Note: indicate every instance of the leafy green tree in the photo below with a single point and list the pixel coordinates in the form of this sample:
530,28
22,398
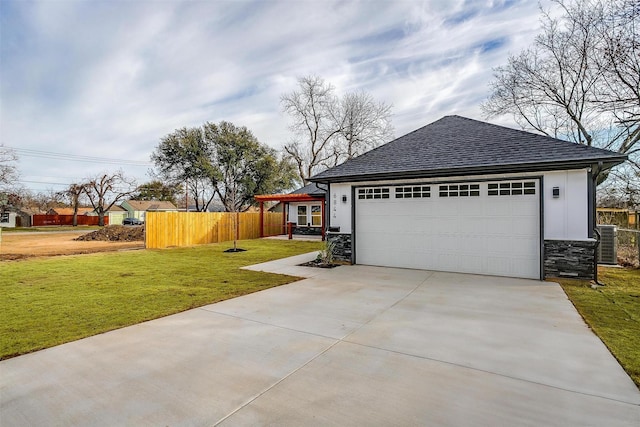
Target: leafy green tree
159,191
185,157
222,161
243,166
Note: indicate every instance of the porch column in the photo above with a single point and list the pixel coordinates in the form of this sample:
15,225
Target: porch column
285,208
322,218
261,218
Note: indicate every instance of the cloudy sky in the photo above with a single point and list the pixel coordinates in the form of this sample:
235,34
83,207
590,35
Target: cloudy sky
98,83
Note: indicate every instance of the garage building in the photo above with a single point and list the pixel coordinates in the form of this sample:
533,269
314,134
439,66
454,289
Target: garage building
467,196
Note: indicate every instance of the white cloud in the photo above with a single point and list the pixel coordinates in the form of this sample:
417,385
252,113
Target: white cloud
109,79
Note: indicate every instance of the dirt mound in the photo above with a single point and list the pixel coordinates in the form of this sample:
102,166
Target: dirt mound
115,233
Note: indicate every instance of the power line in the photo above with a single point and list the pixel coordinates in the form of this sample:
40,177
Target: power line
76,158
43,182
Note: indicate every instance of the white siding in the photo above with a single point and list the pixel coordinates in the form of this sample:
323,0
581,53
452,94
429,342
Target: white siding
564,218
10,220
340,212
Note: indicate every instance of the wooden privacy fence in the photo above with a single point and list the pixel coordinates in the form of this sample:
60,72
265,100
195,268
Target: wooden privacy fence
624,218
40,220
165,229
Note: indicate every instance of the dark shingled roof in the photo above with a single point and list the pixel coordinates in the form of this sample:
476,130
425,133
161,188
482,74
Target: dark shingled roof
311,189
457,145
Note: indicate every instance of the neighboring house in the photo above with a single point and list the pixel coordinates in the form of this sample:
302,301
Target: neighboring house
304,208
82,210
17,217
116,214
25,215
137,208
8,219
462,195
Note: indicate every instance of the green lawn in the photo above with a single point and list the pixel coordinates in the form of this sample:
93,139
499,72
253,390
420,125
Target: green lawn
613,312
50,301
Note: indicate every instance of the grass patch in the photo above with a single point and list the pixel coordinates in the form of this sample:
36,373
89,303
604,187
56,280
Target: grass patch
613,312
50,301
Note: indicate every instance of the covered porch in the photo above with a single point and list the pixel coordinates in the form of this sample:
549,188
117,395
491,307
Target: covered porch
309,215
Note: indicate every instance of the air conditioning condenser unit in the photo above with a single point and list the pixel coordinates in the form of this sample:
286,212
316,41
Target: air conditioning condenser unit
608,248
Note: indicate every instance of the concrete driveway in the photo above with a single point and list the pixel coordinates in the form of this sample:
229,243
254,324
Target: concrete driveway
353,345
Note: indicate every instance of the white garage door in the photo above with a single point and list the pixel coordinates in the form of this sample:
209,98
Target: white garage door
478,227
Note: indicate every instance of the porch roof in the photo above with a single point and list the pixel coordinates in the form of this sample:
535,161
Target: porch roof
288,198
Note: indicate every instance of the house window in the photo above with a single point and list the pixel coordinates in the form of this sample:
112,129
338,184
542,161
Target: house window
309,215
459,190
302,215
373,193
4,217
414,192
511,188
316,216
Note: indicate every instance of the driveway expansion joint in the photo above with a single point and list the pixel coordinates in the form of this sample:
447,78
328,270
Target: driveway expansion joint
459,365
260,322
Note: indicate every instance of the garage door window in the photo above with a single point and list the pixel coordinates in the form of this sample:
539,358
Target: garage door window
414,192
373,193
512,188
459,190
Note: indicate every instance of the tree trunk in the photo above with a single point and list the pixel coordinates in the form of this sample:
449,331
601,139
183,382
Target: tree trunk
76,196
235,232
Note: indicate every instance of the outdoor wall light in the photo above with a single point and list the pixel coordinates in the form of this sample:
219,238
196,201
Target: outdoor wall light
344,199
556,192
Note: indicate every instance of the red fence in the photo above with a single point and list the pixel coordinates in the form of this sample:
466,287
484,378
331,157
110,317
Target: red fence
40,220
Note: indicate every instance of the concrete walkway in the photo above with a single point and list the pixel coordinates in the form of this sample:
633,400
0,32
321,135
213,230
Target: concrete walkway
348,346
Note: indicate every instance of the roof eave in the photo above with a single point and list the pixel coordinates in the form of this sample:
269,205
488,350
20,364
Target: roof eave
603,163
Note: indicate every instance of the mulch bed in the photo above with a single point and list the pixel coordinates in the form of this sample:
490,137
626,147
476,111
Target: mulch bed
319,264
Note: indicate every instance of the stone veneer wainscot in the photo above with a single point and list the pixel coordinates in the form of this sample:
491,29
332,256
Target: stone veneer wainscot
569,258
342,249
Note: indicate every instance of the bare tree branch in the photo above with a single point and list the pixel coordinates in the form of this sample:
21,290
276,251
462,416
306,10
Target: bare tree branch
8,169
580,79
105,190
330,130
